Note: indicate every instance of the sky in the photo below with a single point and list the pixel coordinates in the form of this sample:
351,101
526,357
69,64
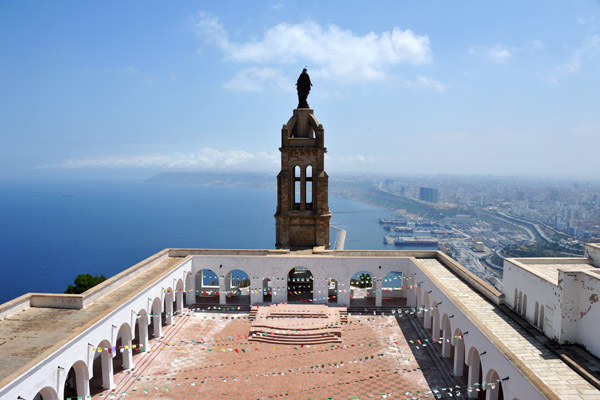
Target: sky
401,87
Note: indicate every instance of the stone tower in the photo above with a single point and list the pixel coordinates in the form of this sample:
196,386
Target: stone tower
302,217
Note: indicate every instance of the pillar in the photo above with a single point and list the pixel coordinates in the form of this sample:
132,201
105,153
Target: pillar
377,284
169,309
107,370
256,291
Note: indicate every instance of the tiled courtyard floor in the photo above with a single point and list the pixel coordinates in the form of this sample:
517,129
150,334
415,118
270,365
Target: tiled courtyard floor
209,357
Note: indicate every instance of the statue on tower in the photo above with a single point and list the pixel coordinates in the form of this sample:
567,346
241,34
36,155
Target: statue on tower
303,86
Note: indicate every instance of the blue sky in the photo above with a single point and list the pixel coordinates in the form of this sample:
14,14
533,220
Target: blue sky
112,88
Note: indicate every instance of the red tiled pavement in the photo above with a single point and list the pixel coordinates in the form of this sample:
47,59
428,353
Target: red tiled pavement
183,369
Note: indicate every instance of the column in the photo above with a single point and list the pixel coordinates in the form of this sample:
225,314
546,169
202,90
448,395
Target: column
256,291
107,370
377,284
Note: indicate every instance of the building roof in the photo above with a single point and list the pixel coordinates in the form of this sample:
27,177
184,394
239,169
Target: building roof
547,268
537,363
33,334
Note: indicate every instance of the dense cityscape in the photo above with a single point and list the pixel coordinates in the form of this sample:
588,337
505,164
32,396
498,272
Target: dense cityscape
480,220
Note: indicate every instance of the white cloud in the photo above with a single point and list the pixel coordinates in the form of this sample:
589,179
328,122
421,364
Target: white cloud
589,46
254,78
204,159
330,51
425,82
500,53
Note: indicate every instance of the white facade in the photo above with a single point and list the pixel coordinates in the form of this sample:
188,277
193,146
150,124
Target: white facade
478,350
558,295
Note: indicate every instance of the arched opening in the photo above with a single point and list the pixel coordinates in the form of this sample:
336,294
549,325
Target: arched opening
536,312
207,287
475,374
46,393
542,318
300,285
446,338
520,303
122,357
267,290
493,386
77,381
297,187
155,327
140,341
516,301
102,368
460,368
391,290
309,187
332,291
237,287
524,311
361,289
179,297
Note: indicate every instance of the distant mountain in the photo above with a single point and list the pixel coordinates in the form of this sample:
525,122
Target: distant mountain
252,180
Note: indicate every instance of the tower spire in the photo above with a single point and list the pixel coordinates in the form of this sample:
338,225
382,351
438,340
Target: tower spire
302,216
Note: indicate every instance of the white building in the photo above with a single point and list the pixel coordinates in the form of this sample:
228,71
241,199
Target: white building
558,295
53,340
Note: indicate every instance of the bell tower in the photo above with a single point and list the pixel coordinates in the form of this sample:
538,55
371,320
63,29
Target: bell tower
302,217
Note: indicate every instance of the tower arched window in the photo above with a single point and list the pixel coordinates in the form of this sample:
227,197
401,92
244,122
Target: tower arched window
309,187
297,187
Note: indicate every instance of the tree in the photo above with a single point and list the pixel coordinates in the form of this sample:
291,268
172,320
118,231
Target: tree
84,282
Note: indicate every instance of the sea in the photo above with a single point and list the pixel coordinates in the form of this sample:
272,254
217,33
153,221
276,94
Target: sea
51,231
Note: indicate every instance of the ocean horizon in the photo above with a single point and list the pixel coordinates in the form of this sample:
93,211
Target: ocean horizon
51,231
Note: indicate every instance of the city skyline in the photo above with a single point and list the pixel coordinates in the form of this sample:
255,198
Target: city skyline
494,89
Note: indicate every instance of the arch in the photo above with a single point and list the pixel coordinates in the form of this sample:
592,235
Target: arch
122,358
426,311
391,289
493,386
475,374
361,289
524,310
308,179
542,318
267,289
536,312
446,337
332,291
300,285
140,332
77,381
459,355
520,303
297,182
207,287
179,297
102,368
237,287
47,393
155,326
516,301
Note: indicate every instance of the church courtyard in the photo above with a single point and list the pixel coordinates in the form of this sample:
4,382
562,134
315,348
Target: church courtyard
207,354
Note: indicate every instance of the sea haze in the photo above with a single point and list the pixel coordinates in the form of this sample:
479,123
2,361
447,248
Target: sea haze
52,231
